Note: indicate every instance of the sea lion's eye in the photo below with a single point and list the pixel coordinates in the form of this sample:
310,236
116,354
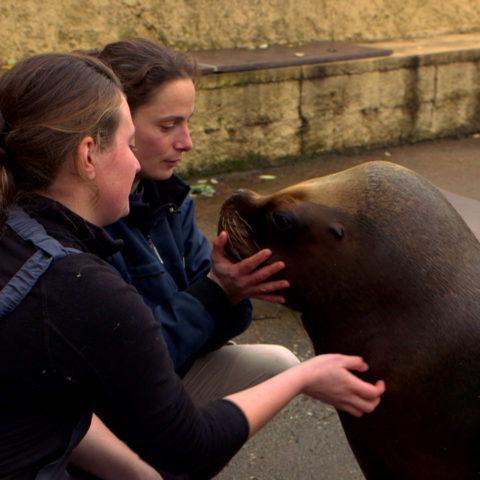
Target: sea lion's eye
337,230
282,220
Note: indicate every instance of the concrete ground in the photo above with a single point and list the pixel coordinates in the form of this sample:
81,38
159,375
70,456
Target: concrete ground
305,441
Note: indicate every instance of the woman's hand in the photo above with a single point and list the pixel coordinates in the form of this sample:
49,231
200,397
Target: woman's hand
243,279
329,379
324,377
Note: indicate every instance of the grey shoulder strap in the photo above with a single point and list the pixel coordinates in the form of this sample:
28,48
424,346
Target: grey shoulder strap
48,249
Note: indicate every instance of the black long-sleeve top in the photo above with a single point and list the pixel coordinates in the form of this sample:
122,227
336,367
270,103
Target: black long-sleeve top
84,339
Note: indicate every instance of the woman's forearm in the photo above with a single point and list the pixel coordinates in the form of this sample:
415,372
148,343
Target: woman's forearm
262,402
104,455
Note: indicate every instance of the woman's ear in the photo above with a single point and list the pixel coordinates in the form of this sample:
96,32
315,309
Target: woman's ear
86,158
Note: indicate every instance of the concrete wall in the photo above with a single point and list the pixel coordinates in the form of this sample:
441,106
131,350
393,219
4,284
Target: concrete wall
423,91
31,26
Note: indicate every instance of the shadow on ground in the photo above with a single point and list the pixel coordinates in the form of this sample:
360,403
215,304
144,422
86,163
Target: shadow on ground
305,441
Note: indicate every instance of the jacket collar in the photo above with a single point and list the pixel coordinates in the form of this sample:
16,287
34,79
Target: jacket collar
154,198
69,228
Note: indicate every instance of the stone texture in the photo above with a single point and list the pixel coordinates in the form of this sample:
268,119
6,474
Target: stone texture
429,87
271,116
235,125
31,26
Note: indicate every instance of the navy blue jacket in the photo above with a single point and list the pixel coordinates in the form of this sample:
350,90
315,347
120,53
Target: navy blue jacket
167,258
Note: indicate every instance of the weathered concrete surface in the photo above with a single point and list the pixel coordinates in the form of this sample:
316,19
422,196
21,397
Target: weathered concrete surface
31,26
239,124
305,441
427,89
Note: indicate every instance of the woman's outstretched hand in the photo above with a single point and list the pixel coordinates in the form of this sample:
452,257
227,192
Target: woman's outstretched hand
329,379
245,279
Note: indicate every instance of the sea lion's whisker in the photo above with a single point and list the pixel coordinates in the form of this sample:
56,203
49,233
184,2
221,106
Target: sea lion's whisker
239,233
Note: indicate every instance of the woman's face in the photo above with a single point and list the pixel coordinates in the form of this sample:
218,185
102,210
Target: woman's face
116,169
161,125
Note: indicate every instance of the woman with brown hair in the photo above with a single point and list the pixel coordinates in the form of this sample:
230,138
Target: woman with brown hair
199,297
77,339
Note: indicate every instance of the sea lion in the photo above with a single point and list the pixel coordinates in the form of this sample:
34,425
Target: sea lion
381,265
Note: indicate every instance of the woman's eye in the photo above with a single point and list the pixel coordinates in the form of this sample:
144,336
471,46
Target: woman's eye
133,148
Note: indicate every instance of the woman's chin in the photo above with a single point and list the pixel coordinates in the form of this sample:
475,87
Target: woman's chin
165,174
166,170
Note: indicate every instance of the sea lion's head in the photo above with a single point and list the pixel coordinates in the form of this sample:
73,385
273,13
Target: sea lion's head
351,238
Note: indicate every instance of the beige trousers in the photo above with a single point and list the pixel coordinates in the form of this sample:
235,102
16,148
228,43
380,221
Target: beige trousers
233,368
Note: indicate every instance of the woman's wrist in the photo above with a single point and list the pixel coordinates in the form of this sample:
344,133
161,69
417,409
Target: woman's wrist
263,401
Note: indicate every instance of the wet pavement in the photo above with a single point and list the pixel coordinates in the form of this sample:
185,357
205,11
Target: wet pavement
305,441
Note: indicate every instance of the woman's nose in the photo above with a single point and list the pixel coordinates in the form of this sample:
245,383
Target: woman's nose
184,141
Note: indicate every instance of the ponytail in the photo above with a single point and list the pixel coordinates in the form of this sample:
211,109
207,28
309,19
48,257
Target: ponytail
7,183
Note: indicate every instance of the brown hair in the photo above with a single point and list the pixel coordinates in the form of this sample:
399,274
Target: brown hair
48,104
143,65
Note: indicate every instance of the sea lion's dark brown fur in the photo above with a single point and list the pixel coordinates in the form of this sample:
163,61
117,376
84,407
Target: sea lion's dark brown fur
382,266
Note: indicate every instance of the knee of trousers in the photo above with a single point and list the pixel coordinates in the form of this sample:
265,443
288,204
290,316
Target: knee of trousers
277,358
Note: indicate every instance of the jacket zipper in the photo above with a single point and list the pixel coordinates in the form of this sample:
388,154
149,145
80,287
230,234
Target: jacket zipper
154,248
